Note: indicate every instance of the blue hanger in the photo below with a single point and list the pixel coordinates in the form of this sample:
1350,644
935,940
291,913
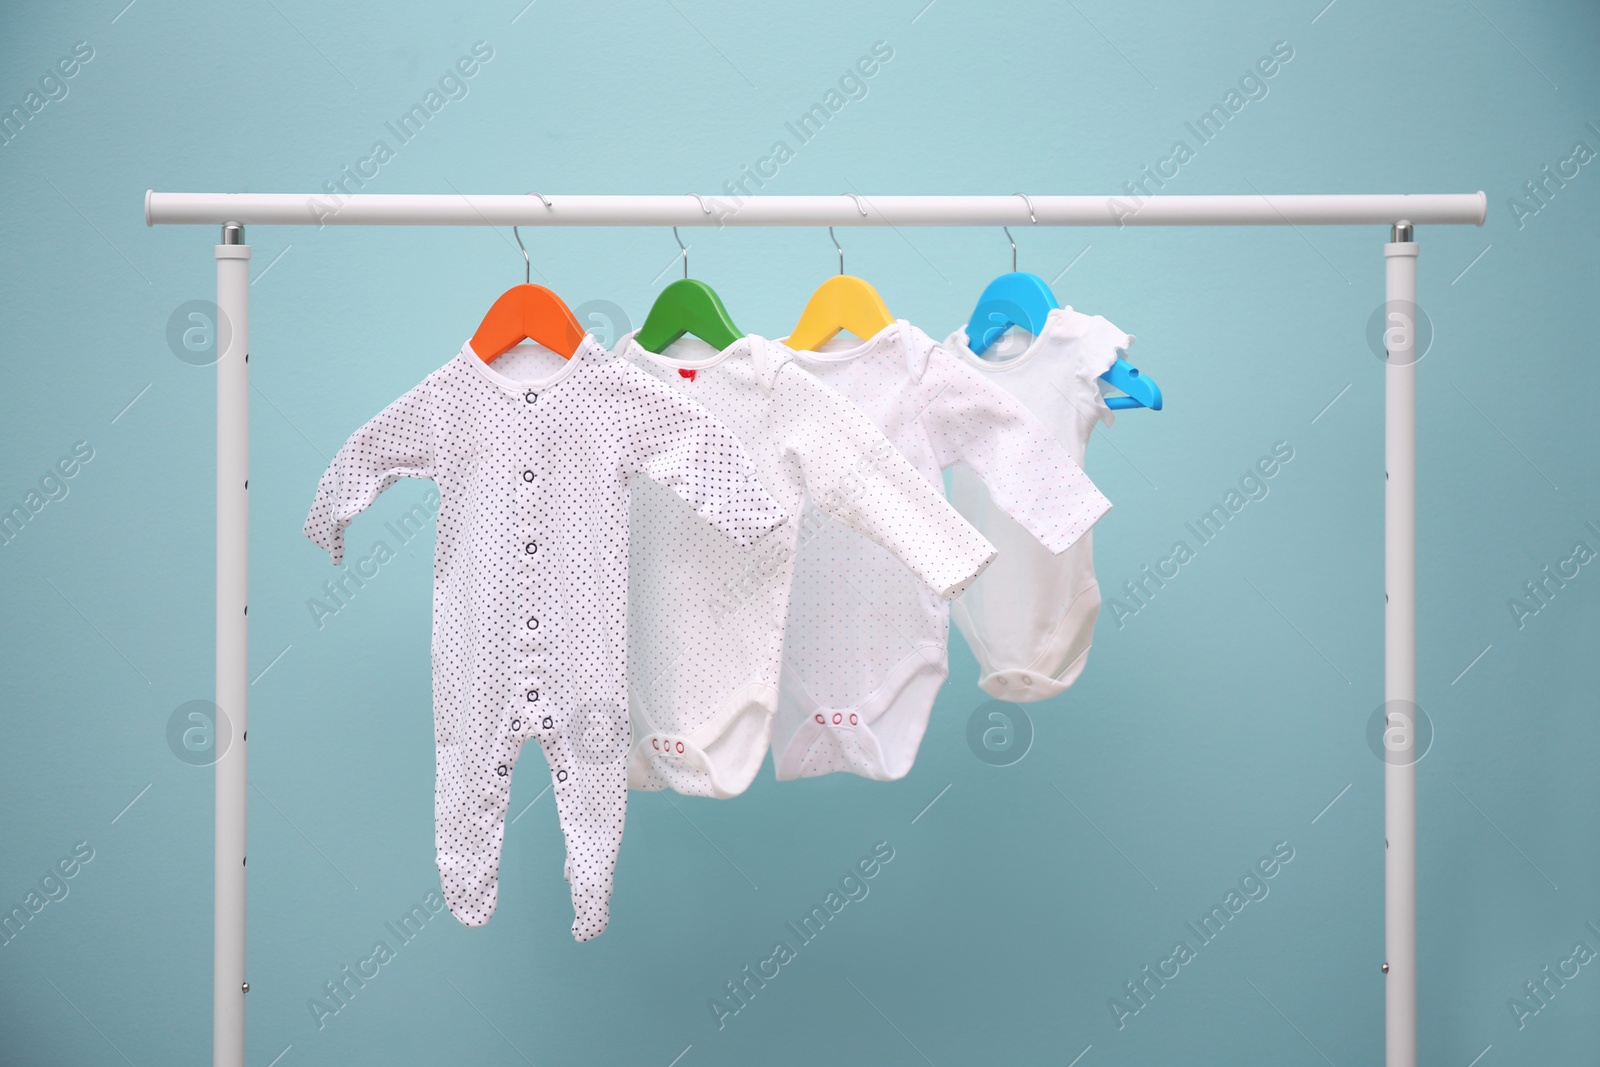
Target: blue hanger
1142,392
1025,300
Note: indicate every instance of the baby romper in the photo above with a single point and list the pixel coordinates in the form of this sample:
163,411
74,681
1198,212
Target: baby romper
706,616
866,647
534,457
1030,618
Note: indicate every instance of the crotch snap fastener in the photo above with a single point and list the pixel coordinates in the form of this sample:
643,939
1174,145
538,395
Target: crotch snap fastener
561,776
549,724
837,718
501,770
533,696
853,719
516,724
533,624
679,747
527,476
821,720
532,547
655,744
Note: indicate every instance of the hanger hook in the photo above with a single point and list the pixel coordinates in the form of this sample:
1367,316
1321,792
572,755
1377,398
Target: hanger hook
835,239
1013,241
527,264
1026,200
702,202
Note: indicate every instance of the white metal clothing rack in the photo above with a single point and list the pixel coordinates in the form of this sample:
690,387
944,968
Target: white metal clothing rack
233,211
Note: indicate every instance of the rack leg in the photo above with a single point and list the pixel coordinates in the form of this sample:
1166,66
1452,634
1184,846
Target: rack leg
1400,647
233,549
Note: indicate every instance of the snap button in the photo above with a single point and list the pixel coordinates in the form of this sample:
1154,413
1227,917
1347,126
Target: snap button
680,746
533,624
561,776
532,547
655,744
821,720
533,695
837,718
1025,682
1001,681
527,476
548,724
501,770
853,719
516,724
530,396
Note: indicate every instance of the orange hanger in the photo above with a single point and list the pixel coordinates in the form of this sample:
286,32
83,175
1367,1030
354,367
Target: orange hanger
527,312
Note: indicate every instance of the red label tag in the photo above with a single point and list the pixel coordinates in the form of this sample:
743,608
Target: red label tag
689,374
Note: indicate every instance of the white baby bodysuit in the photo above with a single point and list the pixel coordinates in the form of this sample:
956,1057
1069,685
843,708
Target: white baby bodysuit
866,647
1030,617
706,616
534,458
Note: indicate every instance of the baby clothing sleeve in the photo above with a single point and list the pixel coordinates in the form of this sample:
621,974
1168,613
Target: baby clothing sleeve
676,443
397,443
855,475
1029,474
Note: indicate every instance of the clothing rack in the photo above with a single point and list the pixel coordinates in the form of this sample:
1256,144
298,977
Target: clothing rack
1401,212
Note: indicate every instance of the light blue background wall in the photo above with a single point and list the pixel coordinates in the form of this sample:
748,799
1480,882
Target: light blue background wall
1221,719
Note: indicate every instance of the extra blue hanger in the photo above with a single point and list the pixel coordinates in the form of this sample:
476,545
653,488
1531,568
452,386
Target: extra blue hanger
1025,300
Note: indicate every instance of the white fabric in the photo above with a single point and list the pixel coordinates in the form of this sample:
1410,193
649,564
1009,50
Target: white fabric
866,646
534,458
1030,618
706,616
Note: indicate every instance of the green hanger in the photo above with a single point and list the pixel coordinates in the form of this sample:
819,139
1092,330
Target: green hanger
687,306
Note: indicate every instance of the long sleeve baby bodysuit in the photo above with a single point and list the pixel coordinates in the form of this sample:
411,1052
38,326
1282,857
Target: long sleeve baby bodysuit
534,459
866,649
1030,618
706,616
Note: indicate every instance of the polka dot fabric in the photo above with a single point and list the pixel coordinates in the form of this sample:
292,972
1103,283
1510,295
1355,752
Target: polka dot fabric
706,618
866,650
534,458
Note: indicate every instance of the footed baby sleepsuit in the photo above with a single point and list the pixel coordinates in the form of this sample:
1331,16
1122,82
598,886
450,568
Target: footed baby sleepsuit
706,615
866,648
1030,617
534,459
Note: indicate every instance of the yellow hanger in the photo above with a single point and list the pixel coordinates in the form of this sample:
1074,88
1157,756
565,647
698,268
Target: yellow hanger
843,302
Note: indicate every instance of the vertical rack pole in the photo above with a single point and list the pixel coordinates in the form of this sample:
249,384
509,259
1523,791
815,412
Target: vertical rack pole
228,986
1400,647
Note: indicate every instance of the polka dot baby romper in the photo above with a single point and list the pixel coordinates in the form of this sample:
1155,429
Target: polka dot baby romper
706,619
533,458
866,649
